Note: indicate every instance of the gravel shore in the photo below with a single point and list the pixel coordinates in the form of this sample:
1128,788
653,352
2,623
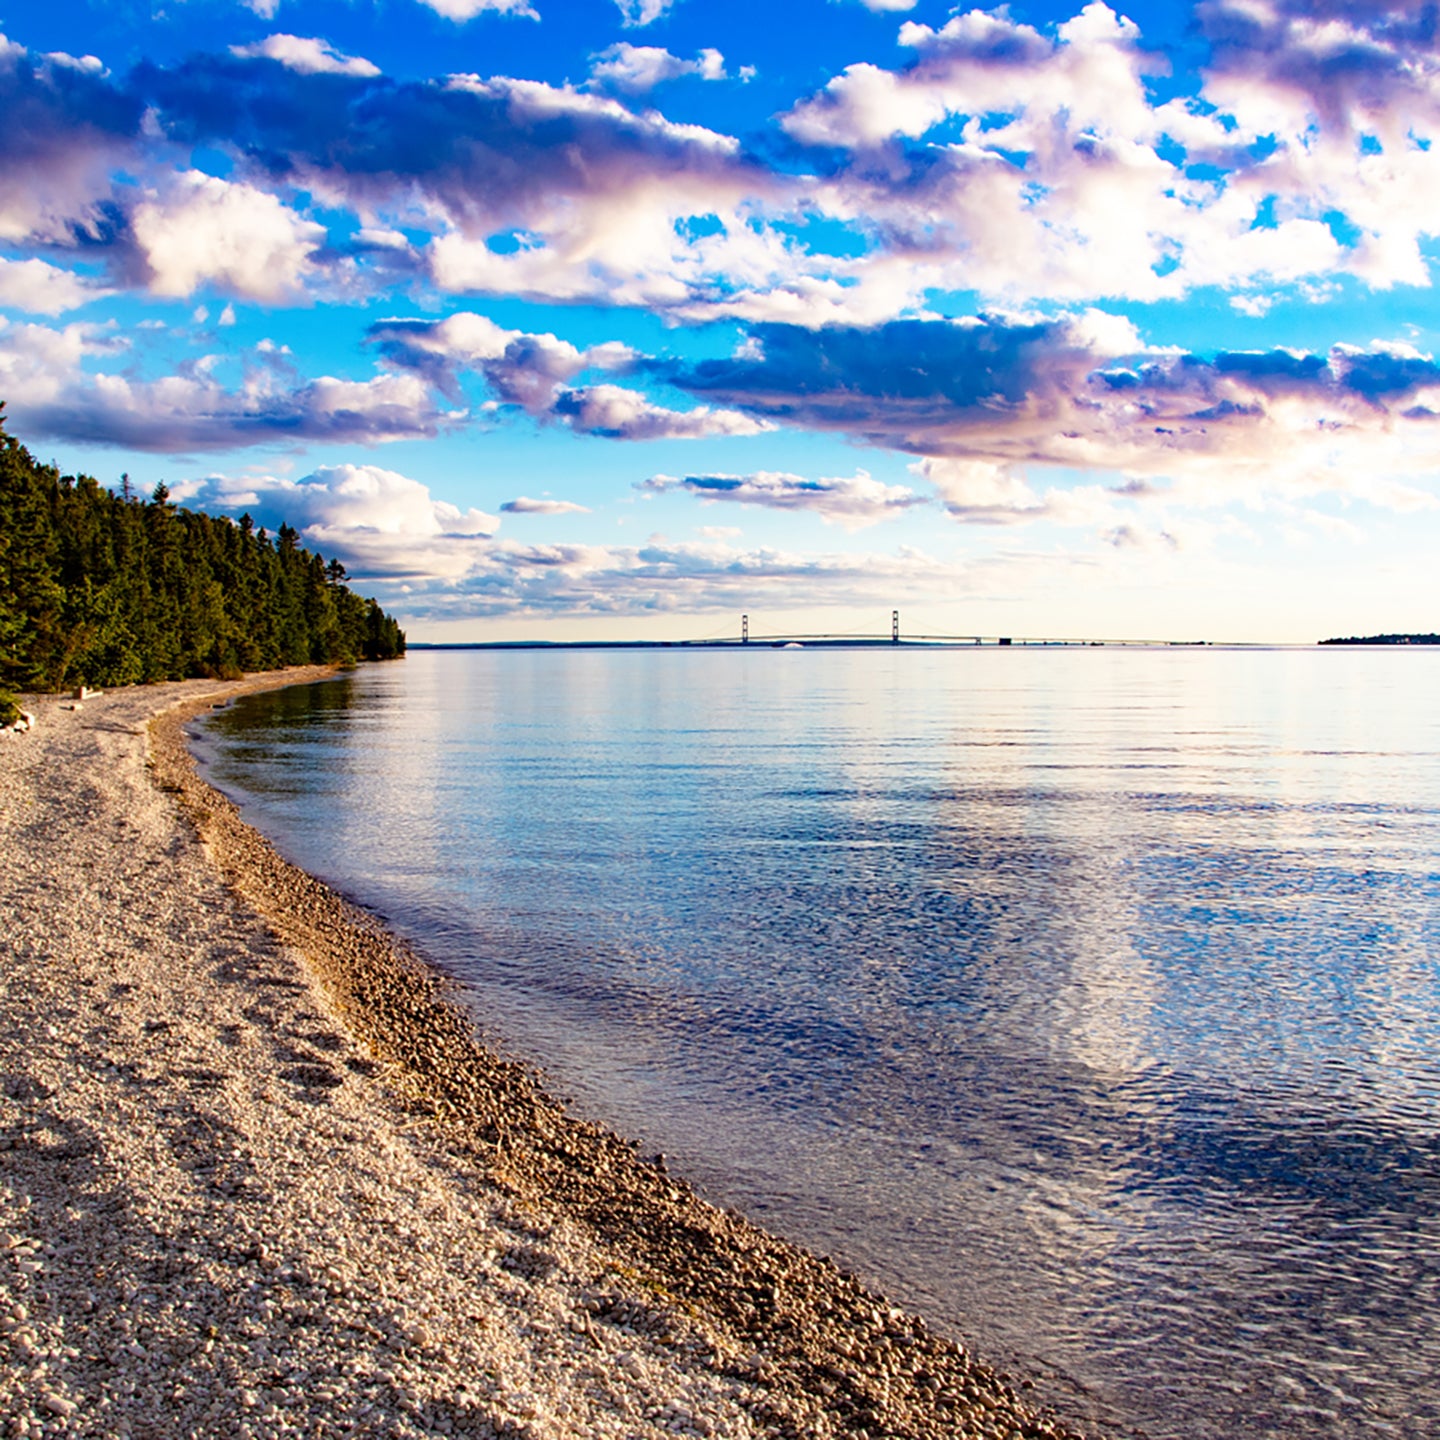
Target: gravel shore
258,1178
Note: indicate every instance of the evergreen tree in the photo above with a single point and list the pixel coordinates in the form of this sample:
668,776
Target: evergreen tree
107,589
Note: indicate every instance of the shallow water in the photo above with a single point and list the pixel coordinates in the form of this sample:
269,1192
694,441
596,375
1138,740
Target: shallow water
1087,1000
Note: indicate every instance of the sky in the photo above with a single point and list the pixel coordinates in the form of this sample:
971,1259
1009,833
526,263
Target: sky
574,319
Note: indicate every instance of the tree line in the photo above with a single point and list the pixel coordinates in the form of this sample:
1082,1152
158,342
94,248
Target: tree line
1411,639
106,588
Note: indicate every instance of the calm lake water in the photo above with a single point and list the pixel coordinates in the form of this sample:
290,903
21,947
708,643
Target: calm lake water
1086,1000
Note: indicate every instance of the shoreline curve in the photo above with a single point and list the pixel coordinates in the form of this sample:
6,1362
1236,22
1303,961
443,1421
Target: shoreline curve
593,1292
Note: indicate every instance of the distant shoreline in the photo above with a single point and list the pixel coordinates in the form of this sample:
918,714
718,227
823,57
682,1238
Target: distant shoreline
1385,640
850,642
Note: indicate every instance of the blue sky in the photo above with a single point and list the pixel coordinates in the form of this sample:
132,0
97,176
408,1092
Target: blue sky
573,318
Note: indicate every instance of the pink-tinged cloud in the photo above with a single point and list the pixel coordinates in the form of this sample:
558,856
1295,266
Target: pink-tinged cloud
620,414
524,505
853,503
65,128
984,400
462,10
50,392
520,368
1059,175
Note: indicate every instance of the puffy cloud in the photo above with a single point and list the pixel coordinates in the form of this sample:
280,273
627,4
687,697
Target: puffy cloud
1049,180
305,56
990,397
853,503
41,289
529,371
642,12
979,492
202,230
620,414
389,530
380,524
532,189
888,5
524,505
65,127
1020,162
914,384
482,155
1310,150
521,368
637,68
984,64
50,393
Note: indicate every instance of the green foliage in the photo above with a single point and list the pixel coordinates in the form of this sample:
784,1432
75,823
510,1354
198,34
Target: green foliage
9,708
109,589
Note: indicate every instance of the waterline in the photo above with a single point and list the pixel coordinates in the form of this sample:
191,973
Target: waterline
1086,1000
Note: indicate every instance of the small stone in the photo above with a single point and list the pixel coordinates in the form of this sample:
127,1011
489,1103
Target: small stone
58,1405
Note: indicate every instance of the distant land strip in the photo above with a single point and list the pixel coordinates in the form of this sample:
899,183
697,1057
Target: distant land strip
1385,640
819,642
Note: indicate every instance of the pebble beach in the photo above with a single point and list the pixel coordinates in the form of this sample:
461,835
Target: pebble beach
258,1177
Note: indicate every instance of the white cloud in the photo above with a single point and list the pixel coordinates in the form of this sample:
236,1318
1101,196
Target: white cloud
521,368
41,289
991,402
642,12
1057,176
669,577
379,523
463,10
1254,306
305,56
853,503
389,530
198,229
621,414
981,492
637,68
51,392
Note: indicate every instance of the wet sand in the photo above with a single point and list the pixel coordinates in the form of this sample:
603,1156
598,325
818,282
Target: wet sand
258,1176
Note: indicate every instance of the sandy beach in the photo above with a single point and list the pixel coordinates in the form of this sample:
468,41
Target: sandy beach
257,1176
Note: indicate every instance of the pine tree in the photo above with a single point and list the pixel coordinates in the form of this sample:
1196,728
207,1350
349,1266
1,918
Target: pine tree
103,588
